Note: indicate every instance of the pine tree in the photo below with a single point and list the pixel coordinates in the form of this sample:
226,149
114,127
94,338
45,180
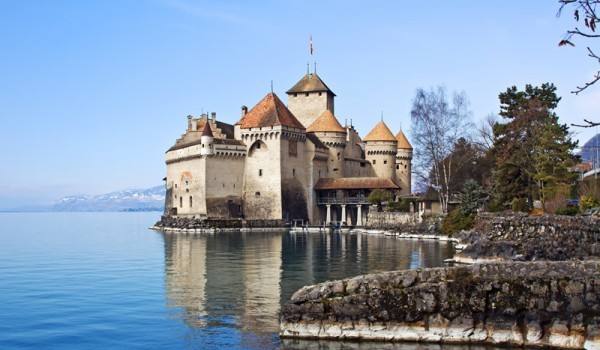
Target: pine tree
533,151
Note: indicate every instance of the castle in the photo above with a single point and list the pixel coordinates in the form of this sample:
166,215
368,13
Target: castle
278,162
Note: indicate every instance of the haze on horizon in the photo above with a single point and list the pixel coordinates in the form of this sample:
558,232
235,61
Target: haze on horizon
94,92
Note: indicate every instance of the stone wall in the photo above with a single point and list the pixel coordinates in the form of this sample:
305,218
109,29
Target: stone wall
189,223
521,237
389,220
521,304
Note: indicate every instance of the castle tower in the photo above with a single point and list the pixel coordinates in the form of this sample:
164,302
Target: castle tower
206,140
381,147
404,164
327,128
275,176
309,98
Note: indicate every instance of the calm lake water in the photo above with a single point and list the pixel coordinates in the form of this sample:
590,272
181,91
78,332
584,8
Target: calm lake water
104,281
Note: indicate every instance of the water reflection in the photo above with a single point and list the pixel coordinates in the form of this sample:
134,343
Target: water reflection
239,280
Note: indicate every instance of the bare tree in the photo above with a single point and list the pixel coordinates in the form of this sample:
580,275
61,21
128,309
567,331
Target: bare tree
485,131
437,124
588,13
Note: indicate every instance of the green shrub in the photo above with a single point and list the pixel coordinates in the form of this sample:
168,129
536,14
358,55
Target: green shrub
401,205
570,210
455,221
588,201
519,205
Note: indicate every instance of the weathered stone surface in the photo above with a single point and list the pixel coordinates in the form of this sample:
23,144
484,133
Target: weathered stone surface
512,303
525,238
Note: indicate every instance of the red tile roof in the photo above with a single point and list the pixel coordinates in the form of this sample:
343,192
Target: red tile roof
206,130
269,111
310,82
403,141
380,132
326,122
355,183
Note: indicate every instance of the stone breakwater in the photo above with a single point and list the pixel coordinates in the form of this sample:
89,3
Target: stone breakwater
521,237
542,304
198,225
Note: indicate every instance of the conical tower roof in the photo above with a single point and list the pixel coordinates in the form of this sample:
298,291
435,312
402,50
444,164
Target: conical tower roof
206,131
326,122
380,132
403,141
269,111
310,82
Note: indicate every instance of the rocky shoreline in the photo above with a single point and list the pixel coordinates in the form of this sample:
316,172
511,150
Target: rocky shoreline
542,304
535,283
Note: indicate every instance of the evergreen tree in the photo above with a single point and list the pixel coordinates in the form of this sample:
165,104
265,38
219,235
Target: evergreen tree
533,151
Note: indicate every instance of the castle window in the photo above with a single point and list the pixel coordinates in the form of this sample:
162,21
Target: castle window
257,194
306,94
374,161
293,148
190,201
362,165
404,166
175,185
259,172
335,169
295,95
338,155
319,94
258,145
233,185
181,202
223,185
397,167
294,172
385,162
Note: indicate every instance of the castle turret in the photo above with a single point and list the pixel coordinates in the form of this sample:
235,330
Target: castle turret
327,128
380,149
404,163
206,140
309,98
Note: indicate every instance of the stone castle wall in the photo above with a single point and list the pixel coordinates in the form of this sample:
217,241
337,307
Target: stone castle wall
519,304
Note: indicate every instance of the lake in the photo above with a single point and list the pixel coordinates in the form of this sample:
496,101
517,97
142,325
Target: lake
105,281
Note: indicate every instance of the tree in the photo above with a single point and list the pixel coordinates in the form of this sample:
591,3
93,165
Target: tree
533,151
437,124
378,196
584,11
472,197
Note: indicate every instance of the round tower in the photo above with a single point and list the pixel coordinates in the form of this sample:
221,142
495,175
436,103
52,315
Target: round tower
404,164
327,128
206,140
380,151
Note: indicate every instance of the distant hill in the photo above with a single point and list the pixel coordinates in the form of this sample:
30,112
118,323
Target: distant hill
150,199
590,151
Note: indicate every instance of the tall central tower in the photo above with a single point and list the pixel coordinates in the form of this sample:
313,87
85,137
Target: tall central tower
309,98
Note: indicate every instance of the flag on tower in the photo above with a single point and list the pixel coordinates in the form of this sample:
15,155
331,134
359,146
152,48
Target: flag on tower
310,45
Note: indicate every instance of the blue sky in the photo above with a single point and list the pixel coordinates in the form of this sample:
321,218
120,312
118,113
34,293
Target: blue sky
94,92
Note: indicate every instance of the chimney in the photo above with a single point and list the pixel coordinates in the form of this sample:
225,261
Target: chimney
213,116
189,122
244,110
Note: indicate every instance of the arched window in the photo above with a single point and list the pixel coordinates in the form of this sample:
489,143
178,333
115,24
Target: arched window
190,201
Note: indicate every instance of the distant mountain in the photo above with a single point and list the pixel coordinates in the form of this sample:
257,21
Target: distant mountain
590,151
150,199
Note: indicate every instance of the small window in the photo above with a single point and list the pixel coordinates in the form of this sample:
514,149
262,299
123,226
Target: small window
187,190
186,182
335,169
181,202
404,166
385,162
362,165
223,185
259,172
175,185
294,172
338,156
319,94
202,145
374,161
306,94
295,95
258,145
397,167
233,185
190,201
257,194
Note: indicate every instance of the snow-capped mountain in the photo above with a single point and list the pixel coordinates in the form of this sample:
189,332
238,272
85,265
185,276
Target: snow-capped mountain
127,200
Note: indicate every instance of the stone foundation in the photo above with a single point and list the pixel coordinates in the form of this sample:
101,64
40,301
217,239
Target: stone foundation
542,304
196,225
